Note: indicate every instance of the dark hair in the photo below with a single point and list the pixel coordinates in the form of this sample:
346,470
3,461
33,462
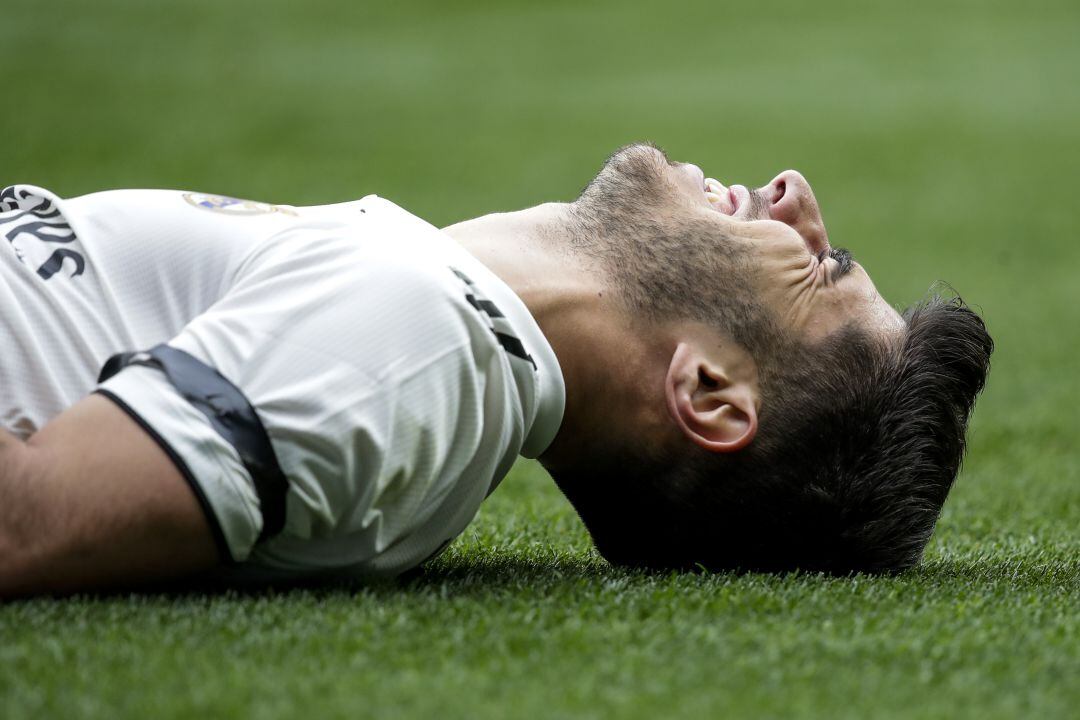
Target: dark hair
859,442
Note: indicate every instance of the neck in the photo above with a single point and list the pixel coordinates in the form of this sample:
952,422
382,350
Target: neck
526,250
578,312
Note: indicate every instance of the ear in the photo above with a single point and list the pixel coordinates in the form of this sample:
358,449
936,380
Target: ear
708,404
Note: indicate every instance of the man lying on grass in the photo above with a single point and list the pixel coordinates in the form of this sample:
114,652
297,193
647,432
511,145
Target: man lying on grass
195,384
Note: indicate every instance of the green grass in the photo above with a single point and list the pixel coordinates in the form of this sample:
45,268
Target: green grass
942,139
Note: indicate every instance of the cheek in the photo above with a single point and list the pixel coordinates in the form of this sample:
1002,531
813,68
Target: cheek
780,241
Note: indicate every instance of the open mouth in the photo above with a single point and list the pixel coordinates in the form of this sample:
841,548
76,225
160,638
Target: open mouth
722,199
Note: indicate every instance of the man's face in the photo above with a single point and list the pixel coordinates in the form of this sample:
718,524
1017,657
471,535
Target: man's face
811,287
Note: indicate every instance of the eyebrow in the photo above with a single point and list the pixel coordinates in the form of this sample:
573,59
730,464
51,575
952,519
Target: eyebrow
845,262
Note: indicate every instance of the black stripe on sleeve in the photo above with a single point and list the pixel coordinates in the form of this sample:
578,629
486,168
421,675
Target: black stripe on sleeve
229,413
462,276
485,306
514,347
220,542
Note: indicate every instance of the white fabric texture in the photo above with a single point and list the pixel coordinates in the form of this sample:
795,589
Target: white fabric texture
396,376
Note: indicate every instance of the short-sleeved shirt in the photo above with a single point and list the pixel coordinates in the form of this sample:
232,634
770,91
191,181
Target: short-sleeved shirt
396,377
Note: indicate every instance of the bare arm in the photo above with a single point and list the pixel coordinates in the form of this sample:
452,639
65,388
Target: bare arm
91,501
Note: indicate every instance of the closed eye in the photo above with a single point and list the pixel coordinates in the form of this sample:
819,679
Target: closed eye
844,261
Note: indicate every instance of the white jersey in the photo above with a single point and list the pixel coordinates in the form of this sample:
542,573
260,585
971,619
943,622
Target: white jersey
393,378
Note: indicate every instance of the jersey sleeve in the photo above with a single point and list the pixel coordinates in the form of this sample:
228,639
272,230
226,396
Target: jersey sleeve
211,465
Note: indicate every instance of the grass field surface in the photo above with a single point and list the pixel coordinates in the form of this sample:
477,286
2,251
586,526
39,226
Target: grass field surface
943,140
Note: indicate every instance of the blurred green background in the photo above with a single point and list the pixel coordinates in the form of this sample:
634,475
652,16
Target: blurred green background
943,141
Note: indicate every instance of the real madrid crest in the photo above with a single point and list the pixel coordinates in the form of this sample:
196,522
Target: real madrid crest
233,206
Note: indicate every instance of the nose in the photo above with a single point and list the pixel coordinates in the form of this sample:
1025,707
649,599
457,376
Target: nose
791,201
